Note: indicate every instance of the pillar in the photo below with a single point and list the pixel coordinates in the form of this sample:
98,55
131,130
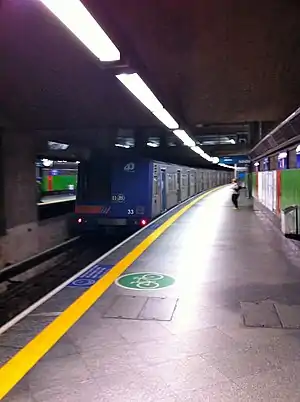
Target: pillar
18,217
107,138
2,193
140,139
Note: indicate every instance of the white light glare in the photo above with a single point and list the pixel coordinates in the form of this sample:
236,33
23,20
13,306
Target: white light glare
215,160
282,155
139,89
47,162
57,145
166,118
152,144
142,92
232,141
200,152
75,16
226,166
122,146
185,138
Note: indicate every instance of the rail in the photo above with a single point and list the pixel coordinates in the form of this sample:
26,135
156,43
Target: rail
21,267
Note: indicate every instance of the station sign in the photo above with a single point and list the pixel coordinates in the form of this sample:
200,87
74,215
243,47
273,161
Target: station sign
235,160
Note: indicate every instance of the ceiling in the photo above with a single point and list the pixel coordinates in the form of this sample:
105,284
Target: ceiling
212,61
216,66
50,81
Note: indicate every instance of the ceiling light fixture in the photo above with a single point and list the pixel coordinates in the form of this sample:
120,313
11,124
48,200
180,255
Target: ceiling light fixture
152,144
140,90
80,22
215,160
200,152
185,138
143,93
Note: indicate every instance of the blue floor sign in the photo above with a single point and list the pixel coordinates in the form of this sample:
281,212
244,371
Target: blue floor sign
91,276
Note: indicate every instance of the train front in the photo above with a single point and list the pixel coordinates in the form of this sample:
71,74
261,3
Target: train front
113,193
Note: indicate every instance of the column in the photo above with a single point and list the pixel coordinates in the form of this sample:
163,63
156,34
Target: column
18,215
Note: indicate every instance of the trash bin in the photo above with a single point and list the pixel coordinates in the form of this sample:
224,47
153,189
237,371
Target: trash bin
290,221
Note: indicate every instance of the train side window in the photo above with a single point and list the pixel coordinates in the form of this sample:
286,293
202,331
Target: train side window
92,186
155,186
172,182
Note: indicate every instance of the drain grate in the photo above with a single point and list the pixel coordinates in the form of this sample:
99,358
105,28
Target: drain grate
267,314
142,308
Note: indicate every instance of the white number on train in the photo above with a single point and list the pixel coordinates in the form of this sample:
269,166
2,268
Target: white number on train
130,212
129,167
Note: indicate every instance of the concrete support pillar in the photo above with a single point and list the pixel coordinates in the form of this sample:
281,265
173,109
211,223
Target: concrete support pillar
2,192
254,133
163,141
18,217
107,138
140,139
19,179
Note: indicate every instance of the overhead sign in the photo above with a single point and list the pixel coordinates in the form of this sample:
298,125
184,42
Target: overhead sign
235,160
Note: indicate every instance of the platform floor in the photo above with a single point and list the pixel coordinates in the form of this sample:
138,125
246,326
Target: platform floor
52,199
186,342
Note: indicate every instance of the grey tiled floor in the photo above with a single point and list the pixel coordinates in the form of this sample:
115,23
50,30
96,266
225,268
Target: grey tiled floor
219,257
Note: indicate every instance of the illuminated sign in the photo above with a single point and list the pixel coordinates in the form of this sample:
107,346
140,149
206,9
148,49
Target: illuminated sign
283,160
235,160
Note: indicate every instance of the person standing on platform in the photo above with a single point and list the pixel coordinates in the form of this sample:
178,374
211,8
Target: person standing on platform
235,188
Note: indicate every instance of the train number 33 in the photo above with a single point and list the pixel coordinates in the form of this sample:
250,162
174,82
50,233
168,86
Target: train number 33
130,211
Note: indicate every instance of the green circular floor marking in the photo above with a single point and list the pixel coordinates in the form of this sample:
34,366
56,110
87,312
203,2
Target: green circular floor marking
145,281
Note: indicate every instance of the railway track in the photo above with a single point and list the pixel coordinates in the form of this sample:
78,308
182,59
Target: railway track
22,290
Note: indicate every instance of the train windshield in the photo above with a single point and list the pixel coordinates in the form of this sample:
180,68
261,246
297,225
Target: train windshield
94,182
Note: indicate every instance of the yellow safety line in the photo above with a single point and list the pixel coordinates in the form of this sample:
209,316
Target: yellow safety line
20,364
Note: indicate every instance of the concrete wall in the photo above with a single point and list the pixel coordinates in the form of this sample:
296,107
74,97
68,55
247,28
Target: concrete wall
21,235
25,240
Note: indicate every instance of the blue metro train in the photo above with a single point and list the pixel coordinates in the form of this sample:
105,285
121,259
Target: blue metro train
130,192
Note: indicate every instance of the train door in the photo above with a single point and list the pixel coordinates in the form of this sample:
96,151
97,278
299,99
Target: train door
163,189
193,183
178,186
189,183
156,200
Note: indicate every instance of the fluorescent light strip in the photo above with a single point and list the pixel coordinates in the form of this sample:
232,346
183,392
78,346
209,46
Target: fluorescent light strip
185,138
226,166
166,118
152,144
200,152
75,16
142,92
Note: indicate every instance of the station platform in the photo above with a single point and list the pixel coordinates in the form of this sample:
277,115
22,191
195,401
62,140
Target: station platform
203,305
53,199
